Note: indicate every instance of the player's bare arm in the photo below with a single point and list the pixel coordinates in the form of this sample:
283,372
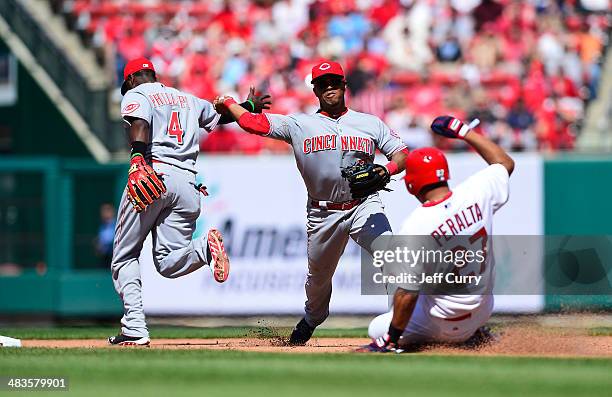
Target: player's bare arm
399,158
144,185
138,130
454,128
491,152
404,302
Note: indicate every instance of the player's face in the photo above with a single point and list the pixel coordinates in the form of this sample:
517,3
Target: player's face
329,90
130,82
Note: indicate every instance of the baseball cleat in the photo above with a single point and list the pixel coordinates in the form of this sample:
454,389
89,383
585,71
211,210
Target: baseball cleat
220,261
124,340
301,333
482,337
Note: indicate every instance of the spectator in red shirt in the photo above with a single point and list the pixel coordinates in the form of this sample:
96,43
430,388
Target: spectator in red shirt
131,45
486,12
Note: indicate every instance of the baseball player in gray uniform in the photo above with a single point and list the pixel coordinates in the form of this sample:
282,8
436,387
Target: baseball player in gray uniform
161,196
324,143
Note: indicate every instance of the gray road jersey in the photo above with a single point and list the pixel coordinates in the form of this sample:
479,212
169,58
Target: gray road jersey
323,146
175,119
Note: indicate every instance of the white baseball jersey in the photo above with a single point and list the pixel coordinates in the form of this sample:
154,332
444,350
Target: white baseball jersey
468,211
175,119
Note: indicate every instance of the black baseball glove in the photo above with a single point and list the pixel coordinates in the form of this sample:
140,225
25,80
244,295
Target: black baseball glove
365,179
260,101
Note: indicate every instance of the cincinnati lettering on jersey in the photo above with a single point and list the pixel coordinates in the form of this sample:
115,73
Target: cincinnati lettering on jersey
330,142
166,99
457,222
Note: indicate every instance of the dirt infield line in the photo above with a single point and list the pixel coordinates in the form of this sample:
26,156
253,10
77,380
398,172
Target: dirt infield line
514,342
321,345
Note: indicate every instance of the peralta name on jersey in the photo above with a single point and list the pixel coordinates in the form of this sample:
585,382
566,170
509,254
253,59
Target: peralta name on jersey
168,99
457,222
330,142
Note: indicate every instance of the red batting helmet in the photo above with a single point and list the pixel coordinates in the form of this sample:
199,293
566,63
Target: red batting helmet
425,166
133,66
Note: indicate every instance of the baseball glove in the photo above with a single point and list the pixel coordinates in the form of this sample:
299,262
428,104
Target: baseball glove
259,101
365,179
144,185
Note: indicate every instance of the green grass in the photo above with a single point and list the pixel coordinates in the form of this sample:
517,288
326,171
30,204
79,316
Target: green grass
147,372
171,332
127,372
601,331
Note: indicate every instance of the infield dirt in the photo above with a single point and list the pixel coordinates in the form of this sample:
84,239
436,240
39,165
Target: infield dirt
513,340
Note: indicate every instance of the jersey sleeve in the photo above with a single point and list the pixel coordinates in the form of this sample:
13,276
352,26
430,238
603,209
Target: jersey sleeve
209,118
388,141
494,181
282,127
135,104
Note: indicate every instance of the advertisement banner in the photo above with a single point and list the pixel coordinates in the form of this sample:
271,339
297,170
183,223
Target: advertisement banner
259,204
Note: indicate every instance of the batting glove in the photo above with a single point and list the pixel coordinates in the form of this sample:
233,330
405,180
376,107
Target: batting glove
449,127
381,345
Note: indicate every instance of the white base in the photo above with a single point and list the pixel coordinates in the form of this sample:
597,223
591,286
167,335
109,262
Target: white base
5,341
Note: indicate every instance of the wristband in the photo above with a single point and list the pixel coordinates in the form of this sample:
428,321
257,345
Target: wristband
248,105
252,104
138,148
394,334
392,167
228,101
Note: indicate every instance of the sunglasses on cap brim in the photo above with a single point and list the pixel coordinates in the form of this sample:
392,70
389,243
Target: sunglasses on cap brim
325,81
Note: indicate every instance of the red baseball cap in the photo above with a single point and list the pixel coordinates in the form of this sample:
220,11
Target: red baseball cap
425,166
326,67
133,66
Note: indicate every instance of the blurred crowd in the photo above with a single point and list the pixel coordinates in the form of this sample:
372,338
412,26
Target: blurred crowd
526,69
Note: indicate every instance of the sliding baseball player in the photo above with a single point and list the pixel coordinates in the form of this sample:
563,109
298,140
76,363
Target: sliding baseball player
464,213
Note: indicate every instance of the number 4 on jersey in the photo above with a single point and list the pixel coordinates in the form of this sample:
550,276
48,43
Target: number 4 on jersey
174,127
